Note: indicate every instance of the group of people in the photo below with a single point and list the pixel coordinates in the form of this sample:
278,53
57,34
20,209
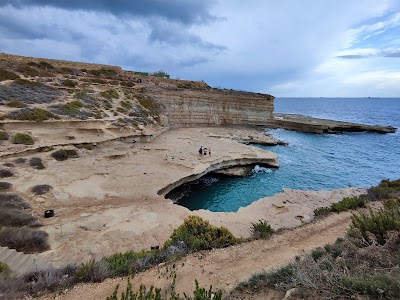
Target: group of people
204,151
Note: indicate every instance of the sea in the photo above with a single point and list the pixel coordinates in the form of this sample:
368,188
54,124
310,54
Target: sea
313,161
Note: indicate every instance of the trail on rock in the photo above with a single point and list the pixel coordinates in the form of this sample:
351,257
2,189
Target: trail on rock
225,268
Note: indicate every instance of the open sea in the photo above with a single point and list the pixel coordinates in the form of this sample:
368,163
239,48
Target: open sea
312,161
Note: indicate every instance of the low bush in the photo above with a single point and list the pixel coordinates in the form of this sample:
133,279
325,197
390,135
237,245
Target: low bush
4,269
318,253
109,73
3,136
70,83
7,75
322,211
41,189
16,104
24,239
64,154
147,103
20,160
23,138
349,203
28,71
377,223
33,114
155,293
92,271
4,186
17,218
110,94
6,173
36,162
261,230
126,104
198,234
70,108
9,164
13,201
385,190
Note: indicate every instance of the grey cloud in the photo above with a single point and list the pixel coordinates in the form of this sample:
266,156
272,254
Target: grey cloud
394,54
352,56
183,11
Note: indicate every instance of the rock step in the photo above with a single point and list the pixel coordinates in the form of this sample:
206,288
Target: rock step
21,263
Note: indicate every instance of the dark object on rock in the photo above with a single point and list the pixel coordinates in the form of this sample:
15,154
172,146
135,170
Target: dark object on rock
20,160
41,189
64,154
4,186
49,213
155,247
5,173
37,163
8,164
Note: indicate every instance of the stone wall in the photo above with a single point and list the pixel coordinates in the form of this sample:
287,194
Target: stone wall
57,63
188,107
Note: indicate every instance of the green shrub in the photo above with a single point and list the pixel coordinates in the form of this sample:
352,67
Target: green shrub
147,103
322,211
92,271
45,65
64,154
4,269
110,94
28,71
378,286
24,239
318,253
385,190
6,173
41,189
3,136
70,83
261,230
392,203
126,104
7,75
155,293
121,264
17,218
71,108
23,138
4,186
34,114
349,203
36,162
198,234
16,103
109,73
378,223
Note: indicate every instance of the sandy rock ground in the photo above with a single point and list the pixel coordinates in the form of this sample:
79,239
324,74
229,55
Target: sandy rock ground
107,200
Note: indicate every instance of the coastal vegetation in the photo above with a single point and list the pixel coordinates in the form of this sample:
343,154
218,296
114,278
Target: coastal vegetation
23,138
7,75
261,230
3,136
64,154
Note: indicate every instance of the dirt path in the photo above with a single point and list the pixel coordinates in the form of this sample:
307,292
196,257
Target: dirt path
225,268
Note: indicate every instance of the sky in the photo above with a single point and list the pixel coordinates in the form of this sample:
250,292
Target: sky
287,48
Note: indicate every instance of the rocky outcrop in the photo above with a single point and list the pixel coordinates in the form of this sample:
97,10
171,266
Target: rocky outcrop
315,125
211,107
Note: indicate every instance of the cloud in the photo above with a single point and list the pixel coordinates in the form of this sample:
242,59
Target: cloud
183,11
352,56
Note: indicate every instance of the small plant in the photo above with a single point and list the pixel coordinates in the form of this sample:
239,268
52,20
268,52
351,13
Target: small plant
24,239
4,186
349,203
36,162
3,136
92,271
385,190
12,201
16,104
110,94
4,269
322,211
377,223
318,253
41,189
33,114
198,234
64,154
7,75
17,218
6,173
28,71
261,230
70,108
70,83
23,138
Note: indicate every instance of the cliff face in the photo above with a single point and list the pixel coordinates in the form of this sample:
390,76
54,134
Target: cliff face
186,107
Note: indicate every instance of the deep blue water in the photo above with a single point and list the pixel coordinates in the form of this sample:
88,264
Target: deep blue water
315,162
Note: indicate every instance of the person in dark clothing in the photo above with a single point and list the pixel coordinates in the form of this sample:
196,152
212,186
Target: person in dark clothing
201,151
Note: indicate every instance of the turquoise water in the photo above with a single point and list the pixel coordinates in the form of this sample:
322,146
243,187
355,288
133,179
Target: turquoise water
313,162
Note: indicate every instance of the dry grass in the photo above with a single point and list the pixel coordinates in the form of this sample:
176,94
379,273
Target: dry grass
24,239
17,218
12,201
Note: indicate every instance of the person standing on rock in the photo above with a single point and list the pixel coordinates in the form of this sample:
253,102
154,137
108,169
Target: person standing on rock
201,151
